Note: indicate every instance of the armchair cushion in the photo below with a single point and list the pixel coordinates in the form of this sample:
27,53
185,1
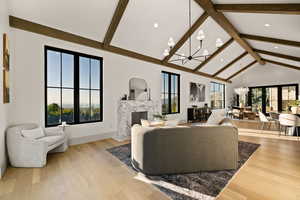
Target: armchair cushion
33,133
50,140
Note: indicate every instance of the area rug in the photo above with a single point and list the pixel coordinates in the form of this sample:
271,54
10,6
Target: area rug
201,185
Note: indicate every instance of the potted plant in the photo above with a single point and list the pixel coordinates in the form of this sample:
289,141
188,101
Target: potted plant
295,106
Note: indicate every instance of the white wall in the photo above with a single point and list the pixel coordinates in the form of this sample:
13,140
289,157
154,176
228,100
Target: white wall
3,107
28,82
260,75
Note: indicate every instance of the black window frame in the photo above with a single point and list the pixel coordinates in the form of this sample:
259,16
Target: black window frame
279,97
76,87
224,93
170,74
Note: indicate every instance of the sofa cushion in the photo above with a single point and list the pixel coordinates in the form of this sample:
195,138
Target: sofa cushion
35,133
216,117
50,140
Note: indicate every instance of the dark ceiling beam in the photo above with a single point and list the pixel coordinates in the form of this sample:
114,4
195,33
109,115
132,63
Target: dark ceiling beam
281,64
62,35
271,40
293,9
219,17
186,36
279,55
219,50
241,70
115,21
231,63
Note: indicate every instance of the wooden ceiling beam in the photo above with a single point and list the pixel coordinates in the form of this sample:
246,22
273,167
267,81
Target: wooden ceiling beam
231,63
271,40
281,64
241,70
219,17
279,55
186,36
115,21
293,9
219,50
25,25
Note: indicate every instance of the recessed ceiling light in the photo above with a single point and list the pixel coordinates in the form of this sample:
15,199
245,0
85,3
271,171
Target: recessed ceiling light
155,25
267,25
276,47
222,59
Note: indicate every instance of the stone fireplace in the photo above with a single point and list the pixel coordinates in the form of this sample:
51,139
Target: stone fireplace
131,112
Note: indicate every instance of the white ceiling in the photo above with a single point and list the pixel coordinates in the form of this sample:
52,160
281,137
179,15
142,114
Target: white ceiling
137,33
236,66
229,54
91,19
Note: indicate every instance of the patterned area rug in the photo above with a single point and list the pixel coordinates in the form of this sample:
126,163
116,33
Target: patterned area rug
202,185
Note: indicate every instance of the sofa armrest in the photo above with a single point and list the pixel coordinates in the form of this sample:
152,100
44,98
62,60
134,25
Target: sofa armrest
54,132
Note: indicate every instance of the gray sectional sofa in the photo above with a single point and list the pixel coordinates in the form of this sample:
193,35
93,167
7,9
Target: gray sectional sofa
184,149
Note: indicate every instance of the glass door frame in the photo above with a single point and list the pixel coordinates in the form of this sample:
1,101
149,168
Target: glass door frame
279,95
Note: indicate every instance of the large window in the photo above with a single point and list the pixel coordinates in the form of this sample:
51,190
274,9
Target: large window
73,87
273,98
170,93
217,95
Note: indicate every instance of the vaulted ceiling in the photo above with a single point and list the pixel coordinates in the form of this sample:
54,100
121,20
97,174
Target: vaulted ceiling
126,27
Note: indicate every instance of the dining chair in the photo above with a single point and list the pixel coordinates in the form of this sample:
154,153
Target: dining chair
289,120
275,118
263,118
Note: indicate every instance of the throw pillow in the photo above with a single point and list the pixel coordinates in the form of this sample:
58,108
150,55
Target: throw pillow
33,133
145,123
216,117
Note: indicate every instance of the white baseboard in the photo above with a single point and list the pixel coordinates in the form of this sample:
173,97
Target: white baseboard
90,138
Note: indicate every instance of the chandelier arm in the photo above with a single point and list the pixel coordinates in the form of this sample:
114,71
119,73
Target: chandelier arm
180,55
198,59
190,24
175,60
196,52
184,61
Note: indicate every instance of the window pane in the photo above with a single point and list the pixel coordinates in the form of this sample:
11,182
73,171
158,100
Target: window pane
84,72
166,78
84,105
95,74
53,68
53,106
67,70
95,105
174,103
271,99
165,104
67,106
288,97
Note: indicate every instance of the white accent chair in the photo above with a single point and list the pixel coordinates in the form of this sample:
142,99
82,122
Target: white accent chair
26,152
289,120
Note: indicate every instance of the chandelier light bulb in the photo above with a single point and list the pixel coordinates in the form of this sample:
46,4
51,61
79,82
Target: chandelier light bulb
200,35
171,42
182,56
205,52
166,52
219,42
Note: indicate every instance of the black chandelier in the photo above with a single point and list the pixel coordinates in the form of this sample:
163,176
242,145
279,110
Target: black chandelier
192,55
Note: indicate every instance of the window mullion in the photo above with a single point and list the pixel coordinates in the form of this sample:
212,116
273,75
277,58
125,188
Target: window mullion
76,89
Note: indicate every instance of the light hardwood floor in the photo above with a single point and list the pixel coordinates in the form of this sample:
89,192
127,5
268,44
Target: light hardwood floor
89,172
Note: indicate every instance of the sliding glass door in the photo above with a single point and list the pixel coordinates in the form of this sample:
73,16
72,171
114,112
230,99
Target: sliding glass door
275,98
288,97
272,99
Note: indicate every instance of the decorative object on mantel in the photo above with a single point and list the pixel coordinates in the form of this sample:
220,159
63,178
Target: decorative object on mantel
138,89
6,95
242,91
192,55
124,98
160,117
197,92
